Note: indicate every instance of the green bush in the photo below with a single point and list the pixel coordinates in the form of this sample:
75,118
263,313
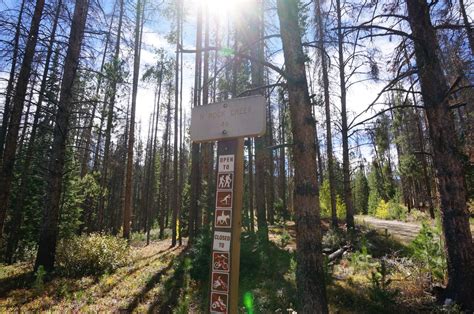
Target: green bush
427,248
93,254
390,210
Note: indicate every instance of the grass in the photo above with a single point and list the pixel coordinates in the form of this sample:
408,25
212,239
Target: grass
135,287
161,279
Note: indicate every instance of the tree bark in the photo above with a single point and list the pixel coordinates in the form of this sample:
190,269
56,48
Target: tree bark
327,105
309,271
8,161
344,128
110,113
127,211
11,79
174,201
257,52
49,229
447,159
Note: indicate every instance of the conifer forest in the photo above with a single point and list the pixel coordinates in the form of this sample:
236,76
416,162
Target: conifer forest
237,156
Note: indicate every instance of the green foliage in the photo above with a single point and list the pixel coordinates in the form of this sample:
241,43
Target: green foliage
374,195
361,192
38,284
427,248
285,238
325,202
200,254
379,291
362,260
93,254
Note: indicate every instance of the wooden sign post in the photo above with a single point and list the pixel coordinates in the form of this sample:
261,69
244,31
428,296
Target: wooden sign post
229,122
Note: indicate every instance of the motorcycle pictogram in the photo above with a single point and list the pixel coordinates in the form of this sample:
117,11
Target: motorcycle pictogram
219,305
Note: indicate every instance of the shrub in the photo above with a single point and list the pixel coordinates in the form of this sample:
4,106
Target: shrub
93,254
427,249
396,210
333,239
382,210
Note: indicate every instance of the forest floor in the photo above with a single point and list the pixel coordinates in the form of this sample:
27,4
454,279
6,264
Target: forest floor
146,284
375,274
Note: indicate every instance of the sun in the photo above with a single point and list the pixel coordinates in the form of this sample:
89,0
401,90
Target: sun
223,9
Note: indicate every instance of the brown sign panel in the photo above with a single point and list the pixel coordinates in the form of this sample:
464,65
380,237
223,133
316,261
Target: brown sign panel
224,199
219,302
223,218
220,261
220,282
225,181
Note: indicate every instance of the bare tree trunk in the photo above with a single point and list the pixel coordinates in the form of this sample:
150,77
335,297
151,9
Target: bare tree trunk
11,79
309,271
175,200
206,148
446,157
127,211
49,229
257,52
110,111
8,162
26,170
282,161
327,105
344,128
194,215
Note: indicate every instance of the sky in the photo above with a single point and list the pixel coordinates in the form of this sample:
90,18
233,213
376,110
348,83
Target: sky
157,27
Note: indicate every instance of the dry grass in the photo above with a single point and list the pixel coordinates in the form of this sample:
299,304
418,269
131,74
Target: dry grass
134,288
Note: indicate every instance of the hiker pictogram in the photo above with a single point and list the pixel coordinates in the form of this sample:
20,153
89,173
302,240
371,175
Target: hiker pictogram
223,218
226,181
220,261
220,282
224,199
218,303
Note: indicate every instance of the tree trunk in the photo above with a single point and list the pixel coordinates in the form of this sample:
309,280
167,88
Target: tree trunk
447,159
194,209
327,105
11,79
257,52
8,162
344,129
110,113
49,229
174,201
26,170
309,271
127,211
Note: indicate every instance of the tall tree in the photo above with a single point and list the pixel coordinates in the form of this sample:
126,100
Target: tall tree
174,201
49,229
309,271
17,218
11,79
344,128
127,211
446,156
327,107
9,153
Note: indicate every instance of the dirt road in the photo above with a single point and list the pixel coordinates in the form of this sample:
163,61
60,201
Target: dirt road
403,231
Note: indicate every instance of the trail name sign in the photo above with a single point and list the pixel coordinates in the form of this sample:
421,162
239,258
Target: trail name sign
238,117
227,122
